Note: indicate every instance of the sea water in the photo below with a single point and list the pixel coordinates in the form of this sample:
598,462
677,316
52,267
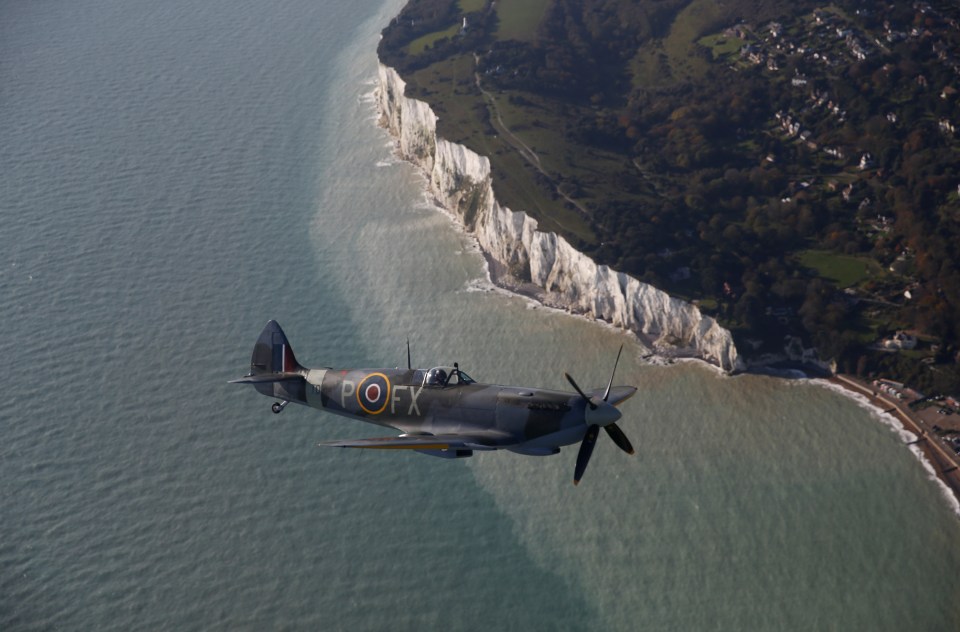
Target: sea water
173,175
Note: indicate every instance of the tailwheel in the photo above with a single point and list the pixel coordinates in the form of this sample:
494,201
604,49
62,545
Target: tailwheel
278,407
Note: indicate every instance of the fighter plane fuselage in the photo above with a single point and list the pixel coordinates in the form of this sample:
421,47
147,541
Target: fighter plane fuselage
400,399
440,411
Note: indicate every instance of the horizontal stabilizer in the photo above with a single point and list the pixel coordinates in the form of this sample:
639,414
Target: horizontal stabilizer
267,378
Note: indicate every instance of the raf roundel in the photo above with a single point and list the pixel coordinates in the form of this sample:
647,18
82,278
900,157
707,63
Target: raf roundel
373,393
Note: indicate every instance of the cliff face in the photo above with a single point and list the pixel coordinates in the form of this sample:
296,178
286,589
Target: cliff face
521,254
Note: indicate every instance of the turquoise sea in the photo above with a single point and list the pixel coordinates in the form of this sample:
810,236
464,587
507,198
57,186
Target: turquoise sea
173,175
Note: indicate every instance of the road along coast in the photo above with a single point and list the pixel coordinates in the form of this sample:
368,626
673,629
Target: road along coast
538,264
945,464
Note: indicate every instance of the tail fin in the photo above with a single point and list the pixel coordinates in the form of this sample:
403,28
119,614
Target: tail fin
274,371
273,359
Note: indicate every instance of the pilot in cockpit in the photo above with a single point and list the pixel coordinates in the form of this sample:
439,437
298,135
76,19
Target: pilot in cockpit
437,377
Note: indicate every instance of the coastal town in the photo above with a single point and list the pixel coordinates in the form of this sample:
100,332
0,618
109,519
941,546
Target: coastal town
811,49
826,42
901,98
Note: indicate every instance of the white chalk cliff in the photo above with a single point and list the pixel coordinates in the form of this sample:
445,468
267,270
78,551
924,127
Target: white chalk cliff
522,255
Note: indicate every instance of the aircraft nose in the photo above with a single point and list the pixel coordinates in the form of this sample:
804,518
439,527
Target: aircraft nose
604,414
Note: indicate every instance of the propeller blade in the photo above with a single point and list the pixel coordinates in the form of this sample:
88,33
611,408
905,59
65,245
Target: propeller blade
606,393
619,438
586,449
582,394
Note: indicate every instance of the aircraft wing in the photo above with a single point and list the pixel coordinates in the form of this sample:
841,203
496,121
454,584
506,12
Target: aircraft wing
415,442
618,394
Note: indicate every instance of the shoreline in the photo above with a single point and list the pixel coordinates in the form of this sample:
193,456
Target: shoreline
459,182
500,280
499,277
944,467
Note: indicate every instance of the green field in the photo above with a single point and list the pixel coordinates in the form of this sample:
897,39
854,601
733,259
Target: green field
673,58
844,270
519,18
721,47
449,87
471,6
420,44
697,19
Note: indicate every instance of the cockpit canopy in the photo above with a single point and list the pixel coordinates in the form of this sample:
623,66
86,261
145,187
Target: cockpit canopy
444,376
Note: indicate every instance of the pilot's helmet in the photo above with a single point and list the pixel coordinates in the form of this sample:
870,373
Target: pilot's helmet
437,377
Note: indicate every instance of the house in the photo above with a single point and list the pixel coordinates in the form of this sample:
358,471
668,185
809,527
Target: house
901,265
900,341
847,192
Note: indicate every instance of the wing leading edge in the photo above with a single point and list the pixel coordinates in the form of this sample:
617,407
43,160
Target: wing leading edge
413,442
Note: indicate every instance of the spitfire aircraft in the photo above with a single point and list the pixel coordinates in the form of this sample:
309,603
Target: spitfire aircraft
441,411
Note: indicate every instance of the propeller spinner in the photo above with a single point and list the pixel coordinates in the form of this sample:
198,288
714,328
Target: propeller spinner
598,414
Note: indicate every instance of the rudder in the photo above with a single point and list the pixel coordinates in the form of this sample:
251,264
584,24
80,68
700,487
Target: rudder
272,353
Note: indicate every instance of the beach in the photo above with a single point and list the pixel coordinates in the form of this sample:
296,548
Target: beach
941,458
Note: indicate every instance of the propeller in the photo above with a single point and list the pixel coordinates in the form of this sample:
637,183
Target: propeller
598,415
586,449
